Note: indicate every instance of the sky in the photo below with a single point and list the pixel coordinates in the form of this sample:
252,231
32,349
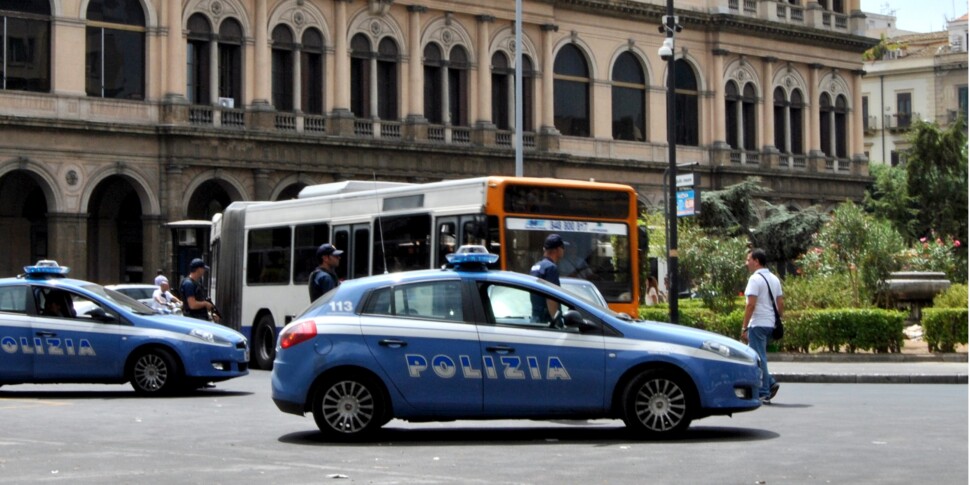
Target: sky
919,15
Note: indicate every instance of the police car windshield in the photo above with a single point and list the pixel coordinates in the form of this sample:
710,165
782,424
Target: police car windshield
120,299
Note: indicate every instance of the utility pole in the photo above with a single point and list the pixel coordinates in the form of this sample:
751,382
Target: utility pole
670,27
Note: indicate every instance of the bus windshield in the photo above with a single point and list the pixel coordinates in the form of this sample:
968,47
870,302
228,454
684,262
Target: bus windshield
596,251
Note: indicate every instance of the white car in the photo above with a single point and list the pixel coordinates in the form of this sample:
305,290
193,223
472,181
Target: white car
140,292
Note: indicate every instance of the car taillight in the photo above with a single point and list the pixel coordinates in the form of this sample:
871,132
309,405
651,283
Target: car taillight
300,332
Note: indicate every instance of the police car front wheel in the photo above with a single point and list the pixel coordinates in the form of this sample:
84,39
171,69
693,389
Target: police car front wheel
349,407
658,403
153,372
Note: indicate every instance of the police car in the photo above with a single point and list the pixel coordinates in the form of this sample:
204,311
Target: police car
463,343
113,339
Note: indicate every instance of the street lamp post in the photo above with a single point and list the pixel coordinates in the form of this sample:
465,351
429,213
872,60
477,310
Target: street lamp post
669,27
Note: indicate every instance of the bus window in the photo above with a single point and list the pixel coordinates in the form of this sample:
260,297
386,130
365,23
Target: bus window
306,241
268,256
476,231
341,236
360,252
404,243
447,239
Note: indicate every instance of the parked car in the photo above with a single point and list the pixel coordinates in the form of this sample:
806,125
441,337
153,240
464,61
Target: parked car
112,339
140,292
584,289
463,343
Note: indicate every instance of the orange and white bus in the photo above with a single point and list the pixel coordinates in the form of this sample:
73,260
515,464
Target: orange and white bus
263,252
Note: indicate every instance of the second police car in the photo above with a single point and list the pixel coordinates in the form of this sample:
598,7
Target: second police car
463,343
55,329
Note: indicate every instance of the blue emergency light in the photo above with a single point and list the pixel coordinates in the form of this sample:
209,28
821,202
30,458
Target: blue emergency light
46,267
471,257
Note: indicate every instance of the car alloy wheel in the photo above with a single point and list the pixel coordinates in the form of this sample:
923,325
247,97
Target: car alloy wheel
348,408
153,372
657,403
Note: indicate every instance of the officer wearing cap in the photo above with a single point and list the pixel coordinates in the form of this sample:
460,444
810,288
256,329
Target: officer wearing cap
196,304
553,249
324,279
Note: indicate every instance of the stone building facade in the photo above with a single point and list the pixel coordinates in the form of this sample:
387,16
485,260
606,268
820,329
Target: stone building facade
119,116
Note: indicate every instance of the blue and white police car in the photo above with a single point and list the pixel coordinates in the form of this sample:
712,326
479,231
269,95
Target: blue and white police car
470,343
44,338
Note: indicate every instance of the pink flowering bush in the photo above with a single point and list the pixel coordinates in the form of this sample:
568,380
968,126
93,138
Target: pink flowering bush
935,253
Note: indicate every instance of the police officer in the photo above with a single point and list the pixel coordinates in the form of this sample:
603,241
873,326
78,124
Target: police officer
547,268
324,278
196,305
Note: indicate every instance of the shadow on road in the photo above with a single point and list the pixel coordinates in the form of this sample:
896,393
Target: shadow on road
598,434
6,393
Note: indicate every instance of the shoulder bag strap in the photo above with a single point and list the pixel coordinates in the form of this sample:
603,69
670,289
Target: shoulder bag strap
772,296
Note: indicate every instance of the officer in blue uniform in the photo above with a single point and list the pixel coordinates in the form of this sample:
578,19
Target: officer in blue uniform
553,249
324,278
193,293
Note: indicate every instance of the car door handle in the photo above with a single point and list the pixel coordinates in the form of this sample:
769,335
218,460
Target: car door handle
394,344
500,349
46,334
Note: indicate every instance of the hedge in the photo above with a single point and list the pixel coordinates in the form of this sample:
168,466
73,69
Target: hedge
944,328
807,330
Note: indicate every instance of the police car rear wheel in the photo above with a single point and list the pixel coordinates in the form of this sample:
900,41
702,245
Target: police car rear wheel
657,403
264,343
153,372
349,408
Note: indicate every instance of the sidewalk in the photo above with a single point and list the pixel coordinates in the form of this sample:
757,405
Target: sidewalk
869,368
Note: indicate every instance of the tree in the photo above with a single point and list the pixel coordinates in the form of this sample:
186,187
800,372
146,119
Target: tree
785,235
936,179
731,211
888,198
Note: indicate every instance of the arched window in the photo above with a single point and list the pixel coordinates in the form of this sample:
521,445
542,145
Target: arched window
629,99
360,75
839,116
458,67
230,61
826,117
686,94
796,118
25,45
433,84
284,51
571,86
750,133
387,61
503,82
311,72
732,126
373,78
198,83
503,92
115,49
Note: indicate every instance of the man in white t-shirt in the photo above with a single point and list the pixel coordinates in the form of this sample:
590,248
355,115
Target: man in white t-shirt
162,298
759,315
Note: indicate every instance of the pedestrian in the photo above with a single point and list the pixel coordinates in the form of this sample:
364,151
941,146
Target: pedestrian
553,249
759,315
324,277
196,304
162,298
653,293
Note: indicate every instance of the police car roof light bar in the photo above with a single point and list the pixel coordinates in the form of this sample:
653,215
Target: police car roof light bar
471,258
46,268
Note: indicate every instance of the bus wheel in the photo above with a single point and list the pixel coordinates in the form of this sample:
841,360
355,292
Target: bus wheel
264,343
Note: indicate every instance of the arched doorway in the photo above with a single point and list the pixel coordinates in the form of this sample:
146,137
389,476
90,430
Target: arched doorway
291,191
115,233
23,222
209,199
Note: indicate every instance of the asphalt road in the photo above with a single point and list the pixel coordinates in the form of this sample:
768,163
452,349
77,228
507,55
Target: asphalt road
813,433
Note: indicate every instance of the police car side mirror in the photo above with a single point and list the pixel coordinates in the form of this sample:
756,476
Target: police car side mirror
574,319
100,315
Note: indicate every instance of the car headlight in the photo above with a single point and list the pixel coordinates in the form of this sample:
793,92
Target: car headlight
209,337
727,351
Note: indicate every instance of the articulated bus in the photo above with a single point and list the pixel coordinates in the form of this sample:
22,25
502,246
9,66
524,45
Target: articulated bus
263,252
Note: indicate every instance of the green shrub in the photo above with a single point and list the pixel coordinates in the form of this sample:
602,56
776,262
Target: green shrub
945,327
954,297
817,292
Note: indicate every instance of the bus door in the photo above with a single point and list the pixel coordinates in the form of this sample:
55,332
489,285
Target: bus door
354,240
446,231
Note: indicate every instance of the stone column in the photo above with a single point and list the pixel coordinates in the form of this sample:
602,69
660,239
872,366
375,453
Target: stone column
341,122
261,187
297,79
415,66
484,132
214,69
548,138
720,121
768,106
815,155
175,90
156,254
262,79
67,241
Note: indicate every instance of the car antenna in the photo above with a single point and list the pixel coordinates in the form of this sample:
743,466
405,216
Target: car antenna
380,224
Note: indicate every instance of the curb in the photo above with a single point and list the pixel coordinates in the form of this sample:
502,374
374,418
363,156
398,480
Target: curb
866,358
870,378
